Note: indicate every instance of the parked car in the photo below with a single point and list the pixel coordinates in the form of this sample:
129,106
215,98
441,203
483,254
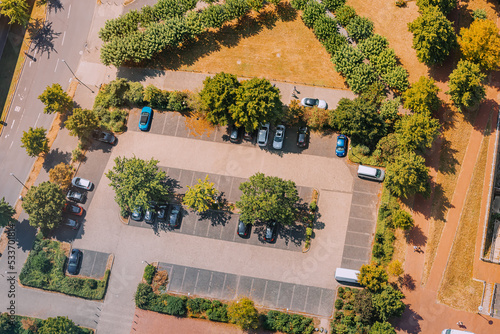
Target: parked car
341,149
279,137
263,135
136,214
161,213
309,102
68,222
271,231
248,136
77,196
149,216
235,136
81,183
104,136
302,135
73,209
74,262
244,229
175,216
145,119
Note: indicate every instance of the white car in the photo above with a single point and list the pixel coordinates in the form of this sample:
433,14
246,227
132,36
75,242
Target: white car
309,102
279,136
263,135
81,183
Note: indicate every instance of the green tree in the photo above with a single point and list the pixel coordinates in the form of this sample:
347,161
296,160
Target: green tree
397,79
299,4
218,95
7,213
137,182
346,59
201,196
466,89
395,268
384,61
243,314
480,44
35,141
294,113
433,36
44,204
361,78
56,100
363,306
120,26
313,11
316,119
382,328
82,122
16,11
388,303
407,176
417,131
59,325
360,28
373,46
268,198
445,6
402,219
236,8
332,5
325,27
61,174
372,276
257,102
421,97
345,14
389,110
255,4
387,149
214,16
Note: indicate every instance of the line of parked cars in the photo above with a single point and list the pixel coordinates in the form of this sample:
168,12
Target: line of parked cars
161,213
78,194
270,235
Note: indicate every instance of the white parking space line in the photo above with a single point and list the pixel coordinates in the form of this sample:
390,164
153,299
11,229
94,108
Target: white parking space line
13,121
69,10
64,36
11,144
57,63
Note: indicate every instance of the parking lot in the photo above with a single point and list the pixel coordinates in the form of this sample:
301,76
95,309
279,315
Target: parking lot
269,293
93,264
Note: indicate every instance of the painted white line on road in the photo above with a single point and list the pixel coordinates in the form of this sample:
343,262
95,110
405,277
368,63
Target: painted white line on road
11,145
13,121
69,10
70,80
57,63
64,36
37,119
30,63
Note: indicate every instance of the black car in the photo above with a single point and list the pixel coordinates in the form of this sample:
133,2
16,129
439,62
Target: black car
271,231
161,213
302,135
149,216
244,229
175,216
136,214
235,135
74,262
248,136
77,196
104,136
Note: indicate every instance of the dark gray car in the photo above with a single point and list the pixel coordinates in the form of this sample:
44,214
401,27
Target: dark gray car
74,262
174,219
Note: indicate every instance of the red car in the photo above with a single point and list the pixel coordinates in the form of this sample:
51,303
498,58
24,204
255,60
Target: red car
73,209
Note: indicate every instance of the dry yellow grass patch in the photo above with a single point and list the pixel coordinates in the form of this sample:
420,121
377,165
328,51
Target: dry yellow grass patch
457,289
271,44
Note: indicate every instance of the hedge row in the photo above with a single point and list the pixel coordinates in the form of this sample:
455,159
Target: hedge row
27,325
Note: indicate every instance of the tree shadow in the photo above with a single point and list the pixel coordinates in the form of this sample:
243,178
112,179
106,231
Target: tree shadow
409,321
441,73
415,236
43,40
172,183
406,282
216,217
55,157
55,5
24,235
139,74
447,161
286,12
440,203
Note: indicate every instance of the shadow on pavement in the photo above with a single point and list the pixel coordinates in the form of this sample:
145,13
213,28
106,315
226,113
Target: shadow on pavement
25,235
55,5
55,157
409,322
43,40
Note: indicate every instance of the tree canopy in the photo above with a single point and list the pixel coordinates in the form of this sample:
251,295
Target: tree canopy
480,44
266,198
388,303
466,88
243,314
257,102
35,141
372,276
421,97
445,6
201,196
82,122
61,174
407,176
56,100
7,213
217,96
137,182
433,36
59,325
44,204
382,328
417,131
16,11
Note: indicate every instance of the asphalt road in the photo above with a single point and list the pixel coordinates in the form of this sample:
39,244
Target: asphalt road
63,37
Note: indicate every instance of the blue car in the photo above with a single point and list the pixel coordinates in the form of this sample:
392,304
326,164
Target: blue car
145,120
341,149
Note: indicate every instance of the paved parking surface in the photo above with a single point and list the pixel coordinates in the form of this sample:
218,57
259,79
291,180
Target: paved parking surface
93,264
268,293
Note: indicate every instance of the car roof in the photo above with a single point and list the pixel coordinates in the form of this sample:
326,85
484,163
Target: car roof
83,182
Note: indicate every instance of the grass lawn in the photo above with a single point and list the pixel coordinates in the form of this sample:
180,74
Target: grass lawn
457,289
44,269
272,44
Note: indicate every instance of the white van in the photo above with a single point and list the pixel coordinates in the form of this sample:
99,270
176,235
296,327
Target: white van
371,173
347,275
455,331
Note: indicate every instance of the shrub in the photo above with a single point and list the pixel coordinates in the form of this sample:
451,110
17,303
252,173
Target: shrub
345,14
149,273
402,219
217,312
397,79
361,77
41,263
177,101
373,46
92,283
313,206
77,155
198,305
176,306
384,61
143,296
313,11
155,97
339,303
334,43
135,94
295,323
316,119
360,28
332,5
324,28
479,14
346,59
340,292
309,232
299,4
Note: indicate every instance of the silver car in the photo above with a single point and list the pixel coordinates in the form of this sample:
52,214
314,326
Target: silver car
81,183
309,102
263,135
279,136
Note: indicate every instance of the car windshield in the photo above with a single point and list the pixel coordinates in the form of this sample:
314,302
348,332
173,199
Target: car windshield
340,142
262,135
74,208
279,136
302,138
144,118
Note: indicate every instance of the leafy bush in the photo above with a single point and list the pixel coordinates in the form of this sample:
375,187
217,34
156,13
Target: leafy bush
346,59
309,232
373,46
149,273
313,11
339,303
299,4
214,16
316,119
334,43
385,61
156,97
177,101
198,305
176,306
143,295
479,14
325,27
235,8
361,77
360,28
313,206
135,94
217,312
288,323
345,14
332,5
397,79
389,110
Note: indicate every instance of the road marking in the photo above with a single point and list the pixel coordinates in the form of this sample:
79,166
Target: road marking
11,144
37,118
57,63
70,80
17,108
69,10
13,121
30,63
64,36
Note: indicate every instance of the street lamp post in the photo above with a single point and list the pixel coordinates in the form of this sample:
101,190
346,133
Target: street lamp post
19,181
145,262
74,75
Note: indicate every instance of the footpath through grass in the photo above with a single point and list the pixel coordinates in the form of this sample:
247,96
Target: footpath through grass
44,269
